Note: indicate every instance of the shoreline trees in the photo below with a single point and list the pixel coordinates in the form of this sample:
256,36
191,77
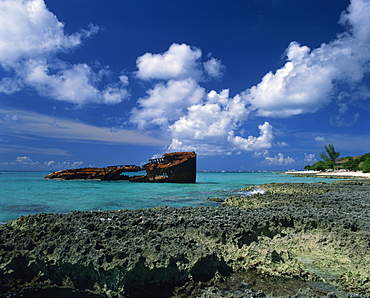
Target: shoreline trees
330,161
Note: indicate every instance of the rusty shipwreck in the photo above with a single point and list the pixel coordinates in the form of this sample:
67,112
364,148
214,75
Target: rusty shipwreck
176,167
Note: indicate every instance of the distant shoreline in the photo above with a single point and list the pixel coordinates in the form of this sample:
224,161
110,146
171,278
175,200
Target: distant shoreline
334,174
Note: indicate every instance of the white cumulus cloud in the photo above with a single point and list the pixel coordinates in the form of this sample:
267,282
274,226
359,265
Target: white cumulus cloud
309,158
320,139
214,117
29,30
166,103
357,18
264,141
279,160
196,121
210,126
30,38
179,62
214,68
23,160
176,93
305,83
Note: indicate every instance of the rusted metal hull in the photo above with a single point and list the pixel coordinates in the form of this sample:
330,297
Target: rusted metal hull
108,173
176,167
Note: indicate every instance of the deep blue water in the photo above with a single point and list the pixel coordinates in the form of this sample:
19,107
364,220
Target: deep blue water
25,193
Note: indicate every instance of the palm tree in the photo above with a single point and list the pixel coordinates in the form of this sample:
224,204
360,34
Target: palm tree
329,155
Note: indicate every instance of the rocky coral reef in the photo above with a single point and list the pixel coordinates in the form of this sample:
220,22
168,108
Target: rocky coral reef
298,240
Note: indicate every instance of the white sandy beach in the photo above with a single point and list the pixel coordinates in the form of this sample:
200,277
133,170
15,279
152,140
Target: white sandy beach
335,173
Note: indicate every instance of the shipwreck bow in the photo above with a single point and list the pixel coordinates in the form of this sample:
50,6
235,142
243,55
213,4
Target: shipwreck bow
176,167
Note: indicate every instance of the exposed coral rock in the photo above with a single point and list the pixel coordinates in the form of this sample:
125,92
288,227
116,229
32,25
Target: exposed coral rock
302,239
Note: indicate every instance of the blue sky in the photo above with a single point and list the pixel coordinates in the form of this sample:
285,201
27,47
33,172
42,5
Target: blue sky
248,85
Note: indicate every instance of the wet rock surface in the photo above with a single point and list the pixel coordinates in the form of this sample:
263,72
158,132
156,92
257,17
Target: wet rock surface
295,240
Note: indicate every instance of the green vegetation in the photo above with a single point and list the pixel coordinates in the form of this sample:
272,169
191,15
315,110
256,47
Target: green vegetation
329,155
331,161
365,166
320,166
362,163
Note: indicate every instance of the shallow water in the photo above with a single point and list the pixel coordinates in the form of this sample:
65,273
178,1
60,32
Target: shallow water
25,193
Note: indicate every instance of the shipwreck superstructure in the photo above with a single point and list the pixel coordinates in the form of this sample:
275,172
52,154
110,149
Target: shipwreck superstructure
176,167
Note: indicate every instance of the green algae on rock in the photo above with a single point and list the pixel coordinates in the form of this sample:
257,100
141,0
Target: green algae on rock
330,235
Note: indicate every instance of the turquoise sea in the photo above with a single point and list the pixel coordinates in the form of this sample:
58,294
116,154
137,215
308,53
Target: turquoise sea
25,193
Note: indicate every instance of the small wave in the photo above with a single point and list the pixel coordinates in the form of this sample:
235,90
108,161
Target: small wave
255,191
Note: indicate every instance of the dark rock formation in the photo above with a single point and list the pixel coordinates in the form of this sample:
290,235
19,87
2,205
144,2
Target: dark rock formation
302,240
